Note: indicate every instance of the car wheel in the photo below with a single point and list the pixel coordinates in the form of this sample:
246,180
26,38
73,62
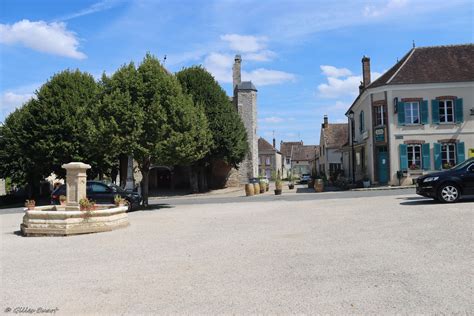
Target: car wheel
449,193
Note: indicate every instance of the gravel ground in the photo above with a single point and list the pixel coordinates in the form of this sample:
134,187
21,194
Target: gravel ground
394,254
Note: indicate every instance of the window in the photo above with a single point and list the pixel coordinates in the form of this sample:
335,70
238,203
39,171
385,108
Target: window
446,111
414,156
287,161
259,160
412,113
448,155
99,188
379,116
361,121
267,161
333,167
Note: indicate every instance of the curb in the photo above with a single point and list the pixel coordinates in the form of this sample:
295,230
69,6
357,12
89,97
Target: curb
386,188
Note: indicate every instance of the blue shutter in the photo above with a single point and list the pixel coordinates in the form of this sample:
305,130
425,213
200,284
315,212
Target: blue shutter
403,157
460,152
458,111
425,151
424,112
435,111
401,113
437,156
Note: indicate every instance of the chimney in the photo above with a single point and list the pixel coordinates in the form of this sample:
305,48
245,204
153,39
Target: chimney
366,71
236,79
326,121
274,143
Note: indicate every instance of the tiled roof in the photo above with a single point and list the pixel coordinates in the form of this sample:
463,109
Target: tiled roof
285,147
246,85
263,145
336,135
307,152
431,65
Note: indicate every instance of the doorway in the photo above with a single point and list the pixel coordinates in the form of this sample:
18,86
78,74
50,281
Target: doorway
382,164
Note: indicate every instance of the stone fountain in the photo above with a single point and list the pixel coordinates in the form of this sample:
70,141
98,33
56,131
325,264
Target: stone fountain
64,220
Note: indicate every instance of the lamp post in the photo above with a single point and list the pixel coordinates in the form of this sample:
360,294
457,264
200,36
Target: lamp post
350,115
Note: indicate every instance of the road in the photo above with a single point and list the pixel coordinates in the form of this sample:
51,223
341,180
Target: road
370,254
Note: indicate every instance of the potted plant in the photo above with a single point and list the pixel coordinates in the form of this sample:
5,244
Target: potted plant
366,181
263,185
30,204
291,183
62,199
119,201
86,205
278,184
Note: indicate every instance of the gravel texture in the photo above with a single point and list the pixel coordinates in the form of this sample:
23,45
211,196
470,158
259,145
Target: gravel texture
394,254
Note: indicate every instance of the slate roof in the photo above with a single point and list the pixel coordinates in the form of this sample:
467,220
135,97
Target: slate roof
306,152
263,145
434,64
246,85
285,148
336,135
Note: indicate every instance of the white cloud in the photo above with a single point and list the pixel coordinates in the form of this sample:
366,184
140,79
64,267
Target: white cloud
264,55
96,7
220,66
245,43
52,38
332,71
272,119
389,7
9,101
341,82
263,77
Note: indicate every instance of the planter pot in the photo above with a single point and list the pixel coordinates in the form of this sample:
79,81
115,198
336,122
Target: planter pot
278,192
319,185
62,203
30,207
291,186
366,184
249,189
256,188
267,187
263,188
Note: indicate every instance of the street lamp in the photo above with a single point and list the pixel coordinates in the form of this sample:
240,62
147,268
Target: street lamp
350,115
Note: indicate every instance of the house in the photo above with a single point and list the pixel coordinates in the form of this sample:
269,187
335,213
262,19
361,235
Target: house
416,118
286,149
297,158
269,158
332,139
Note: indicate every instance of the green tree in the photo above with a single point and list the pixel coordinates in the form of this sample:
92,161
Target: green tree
167,127
229,137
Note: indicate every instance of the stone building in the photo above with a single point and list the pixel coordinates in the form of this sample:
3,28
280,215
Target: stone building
297,158
332,139
269,158
245,101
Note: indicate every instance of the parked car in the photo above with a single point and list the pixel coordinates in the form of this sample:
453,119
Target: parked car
102,193
305,178
448,186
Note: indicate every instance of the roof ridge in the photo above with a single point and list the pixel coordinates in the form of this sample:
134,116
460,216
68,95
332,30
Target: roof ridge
401,66
449,45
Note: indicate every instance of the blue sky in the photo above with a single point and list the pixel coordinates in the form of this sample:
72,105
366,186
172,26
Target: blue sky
303,56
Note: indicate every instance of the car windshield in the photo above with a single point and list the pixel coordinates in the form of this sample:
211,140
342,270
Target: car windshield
464,164
116,188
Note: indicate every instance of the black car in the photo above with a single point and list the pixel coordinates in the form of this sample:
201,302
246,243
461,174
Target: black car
102,193
448,186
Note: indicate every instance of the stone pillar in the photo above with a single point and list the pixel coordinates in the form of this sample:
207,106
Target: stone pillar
76,178
129,185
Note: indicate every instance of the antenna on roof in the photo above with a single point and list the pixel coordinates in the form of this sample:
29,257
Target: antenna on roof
413,43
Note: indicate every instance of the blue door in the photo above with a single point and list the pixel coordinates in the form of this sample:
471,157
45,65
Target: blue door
382,163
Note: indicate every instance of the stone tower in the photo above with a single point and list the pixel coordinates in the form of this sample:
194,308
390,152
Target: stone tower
245,100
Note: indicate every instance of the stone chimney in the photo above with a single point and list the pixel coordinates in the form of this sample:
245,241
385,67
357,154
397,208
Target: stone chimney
366,71
274,143
326,121
236,78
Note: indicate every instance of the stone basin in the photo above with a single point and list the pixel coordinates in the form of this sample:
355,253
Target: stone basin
55,220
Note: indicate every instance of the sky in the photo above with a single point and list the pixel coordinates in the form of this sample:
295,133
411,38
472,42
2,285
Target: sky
303,56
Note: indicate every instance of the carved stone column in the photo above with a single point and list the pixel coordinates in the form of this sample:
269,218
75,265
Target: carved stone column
76,178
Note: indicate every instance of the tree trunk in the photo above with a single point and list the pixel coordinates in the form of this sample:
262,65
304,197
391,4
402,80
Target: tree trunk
203,186
193,179
123,166
145,170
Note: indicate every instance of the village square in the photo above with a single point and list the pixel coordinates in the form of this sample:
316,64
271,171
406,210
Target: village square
149,180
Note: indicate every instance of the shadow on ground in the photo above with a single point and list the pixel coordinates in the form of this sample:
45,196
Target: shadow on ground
152,207
410,201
